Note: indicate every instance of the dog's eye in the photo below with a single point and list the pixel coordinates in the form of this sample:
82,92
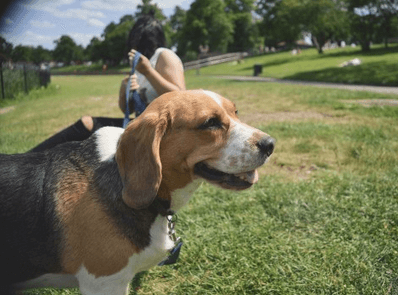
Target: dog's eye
211,123
236,112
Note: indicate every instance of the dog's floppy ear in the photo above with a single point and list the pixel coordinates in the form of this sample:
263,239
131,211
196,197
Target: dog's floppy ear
138,159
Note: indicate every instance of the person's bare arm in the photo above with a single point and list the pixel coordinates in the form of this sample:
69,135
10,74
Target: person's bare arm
168,74
170,68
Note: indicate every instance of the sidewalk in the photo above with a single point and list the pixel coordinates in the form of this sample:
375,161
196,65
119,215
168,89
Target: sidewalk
377,89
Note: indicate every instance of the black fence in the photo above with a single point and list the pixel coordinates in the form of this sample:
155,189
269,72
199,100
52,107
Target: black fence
21,77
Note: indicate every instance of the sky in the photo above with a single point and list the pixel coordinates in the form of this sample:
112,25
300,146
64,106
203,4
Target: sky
40,22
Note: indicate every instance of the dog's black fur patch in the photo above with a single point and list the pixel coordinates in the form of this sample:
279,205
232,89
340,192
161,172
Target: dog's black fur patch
30,230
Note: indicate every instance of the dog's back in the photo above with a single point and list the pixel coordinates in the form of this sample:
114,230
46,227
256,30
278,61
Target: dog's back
29,227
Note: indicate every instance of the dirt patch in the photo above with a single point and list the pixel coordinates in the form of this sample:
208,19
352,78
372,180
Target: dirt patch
96,98
374,102
300,172
6,110
283,116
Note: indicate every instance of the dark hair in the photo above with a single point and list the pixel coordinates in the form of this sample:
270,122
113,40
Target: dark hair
146,36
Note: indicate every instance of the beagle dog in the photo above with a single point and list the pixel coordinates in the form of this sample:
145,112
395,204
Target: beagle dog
92,213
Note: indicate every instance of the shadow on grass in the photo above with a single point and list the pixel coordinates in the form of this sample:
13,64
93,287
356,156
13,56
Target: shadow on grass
376,73
136,282
349,54
355,53
270,64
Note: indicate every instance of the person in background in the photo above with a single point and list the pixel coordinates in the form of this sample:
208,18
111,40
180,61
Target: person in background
162,72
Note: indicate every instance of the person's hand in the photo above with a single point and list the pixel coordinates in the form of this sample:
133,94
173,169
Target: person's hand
143,64
134,84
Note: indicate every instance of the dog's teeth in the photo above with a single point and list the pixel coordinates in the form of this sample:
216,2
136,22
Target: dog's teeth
251,176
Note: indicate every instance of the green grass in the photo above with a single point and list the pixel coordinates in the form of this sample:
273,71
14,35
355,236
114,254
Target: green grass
322,219
46,111
379,66
93,68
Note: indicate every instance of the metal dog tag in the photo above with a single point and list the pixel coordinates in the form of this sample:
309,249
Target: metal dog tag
175,251
173,255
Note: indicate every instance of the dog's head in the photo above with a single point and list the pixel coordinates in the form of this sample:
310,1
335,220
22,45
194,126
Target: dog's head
186,135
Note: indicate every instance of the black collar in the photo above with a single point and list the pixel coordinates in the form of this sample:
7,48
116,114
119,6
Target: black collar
161,206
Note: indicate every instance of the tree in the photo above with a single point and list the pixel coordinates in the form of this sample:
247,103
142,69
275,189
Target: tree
286,20
22,53
66,50
245,31
369,17
79,54
176,24
95,50
363,22
178,18
325,20
40,55
114,47
206,23
126,18
388,20
148,8
281,21
5,49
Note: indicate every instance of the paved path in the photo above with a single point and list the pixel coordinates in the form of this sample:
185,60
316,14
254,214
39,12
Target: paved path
378,89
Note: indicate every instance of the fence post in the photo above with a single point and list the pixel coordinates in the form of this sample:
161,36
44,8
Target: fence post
2,81
25,78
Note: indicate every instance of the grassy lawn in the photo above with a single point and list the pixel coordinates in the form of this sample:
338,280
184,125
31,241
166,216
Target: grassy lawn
83,68
379,66
322,219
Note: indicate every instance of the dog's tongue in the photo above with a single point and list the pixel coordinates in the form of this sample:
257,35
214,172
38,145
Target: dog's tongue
250,177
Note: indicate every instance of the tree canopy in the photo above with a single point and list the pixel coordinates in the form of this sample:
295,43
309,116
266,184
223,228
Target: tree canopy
231,26
206,23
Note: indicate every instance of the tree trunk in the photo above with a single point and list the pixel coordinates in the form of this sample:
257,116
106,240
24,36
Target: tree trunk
320,41
318,47
365,44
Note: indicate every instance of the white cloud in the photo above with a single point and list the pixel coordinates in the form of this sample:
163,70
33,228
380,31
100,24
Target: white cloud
52,7
173,3
126,5
45,4
131,5
31,36
82,39
42,24
83,14
95,22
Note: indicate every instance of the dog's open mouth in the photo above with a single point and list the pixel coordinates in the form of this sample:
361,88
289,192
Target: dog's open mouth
238,181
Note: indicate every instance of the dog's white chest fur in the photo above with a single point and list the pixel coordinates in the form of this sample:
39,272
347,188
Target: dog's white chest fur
150,256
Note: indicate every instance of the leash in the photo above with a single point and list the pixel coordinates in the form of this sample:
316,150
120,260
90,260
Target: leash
162,207
174,253
139,106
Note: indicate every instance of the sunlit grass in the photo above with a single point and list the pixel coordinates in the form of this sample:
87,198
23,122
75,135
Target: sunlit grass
379,66
322,219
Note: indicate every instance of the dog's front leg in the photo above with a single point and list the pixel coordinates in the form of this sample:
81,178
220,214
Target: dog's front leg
115,284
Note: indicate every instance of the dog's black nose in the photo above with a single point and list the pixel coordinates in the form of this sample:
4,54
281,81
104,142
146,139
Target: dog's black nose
266,145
